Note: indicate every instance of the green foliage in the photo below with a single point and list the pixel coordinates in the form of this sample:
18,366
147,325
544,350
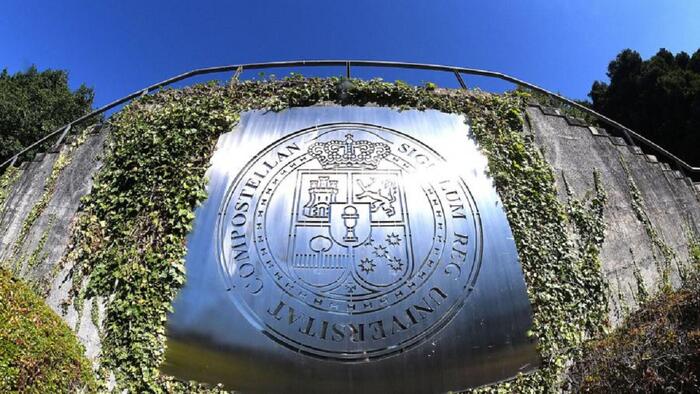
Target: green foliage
657,349
38,352
132,234
559,249
695,252
642,293
33,104
129,244
659,97
38,255
430,86
693,267
7,179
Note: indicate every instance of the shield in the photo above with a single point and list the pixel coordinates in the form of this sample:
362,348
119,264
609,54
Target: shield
350,234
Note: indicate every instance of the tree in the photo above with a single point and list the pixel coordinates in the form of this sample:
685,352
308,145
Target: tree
33,104
658,97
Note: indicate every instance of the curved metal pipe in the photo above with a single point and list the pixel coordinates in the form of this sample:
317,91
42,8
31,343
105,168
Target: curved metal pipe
628,133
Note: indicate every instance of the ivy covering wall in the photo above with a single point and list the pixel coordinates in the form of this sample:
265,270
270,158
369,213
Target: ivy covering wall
129,241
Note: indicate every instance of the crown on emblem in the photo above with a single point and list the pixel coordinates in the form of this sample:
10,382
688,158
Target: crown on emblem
349,153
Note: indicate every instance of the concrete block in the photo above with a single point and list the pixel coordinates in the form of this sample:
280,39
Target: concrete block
575,121
550,111
598,131
636,150
618,141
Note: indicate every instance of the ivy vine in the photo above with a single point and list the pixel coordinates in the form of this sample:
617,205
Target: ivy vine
667,253
691,269
61,162
7,179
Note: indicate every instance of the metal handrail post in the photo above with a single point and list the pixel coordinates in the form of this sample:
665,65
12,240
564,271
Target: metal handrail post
460,80
63,135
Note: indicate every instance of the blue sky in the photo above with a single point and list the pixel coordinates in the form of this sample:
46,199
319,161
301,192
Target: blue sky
118,47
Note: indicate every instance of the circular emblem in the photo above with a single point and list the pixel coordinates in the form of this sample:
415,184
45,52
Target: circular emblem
349,241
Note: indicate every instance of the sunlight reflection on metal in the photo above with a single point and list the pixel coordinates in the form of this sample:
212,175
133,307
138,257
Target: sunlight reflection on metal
350,249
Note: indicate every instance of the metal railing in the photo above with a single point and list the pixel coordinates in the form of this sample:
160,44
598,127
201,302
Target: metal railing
629,135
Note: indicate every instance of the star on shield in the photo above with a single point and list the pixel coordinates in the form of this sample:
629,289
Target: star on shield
393,239
380,251
396,264
367,265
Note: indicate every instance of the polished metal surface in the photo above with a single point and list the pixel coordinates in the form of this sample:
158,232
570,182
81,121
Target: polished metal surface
350,249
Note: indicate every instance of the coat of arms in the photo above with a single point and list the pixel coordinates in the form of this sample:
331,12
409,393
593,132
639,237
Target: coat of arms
350,222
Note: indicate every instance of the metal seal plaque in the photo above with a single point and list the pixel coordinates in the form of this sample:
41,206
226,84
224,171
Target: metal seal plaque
340,242
352,273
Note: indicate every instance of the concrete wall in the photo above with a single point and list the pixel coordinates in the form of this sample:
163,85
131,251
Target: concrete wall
672,202
48,237
572,148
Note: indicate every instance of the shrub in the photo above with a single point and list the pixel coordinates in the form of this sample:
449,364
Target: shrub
657,349
38,352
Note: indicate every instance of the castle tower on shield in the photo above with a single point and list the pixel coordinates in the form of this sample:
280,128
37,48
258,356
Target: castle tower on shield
322,192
